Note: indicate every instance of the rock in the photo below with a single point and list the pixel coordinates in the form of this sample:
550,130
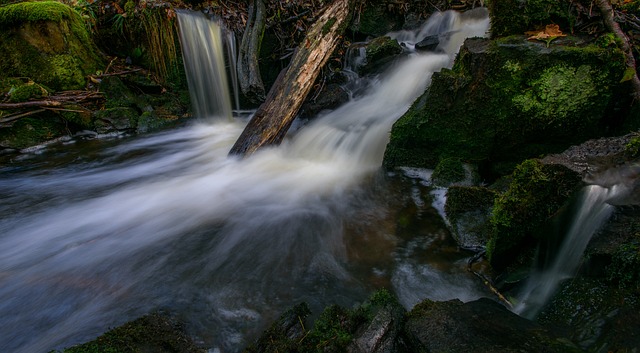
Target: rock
429,43
536,193
380,52
375,21
468,209
598,317
478,326
116,119
510,99
381,333
510,17
47,42
331,97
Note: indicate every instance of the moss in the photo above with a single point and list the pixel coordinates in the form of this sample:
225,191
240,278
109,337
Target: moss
327,26
536,192
31,131
151,333
47,42
27,91
448,171
508,100
632,148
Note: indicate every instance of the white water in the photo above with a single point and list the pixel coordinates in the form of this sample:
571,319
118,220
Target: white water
169,221
592,212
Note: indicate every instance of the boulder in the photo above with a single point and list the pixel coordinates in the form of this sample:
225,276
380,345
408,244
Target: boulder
511,99
429,43
478,326
47,42
468,210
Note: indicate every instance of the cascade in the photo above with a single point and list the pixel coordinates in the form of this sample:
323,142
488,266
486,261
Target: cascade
592,210
202,50
168,221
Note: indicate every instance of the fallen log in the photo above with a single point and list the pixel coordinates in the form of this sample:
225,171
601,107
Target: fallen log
274,117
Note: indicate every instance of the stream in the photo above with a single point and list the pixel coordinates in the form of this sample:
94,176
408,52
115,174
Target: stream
97,232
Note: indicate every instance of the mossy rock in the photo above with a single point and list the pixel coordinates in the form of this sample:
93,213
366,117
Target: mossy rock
47,42
468,209
536,192
23,92
598,317
510,17
116,119
151,333
380,52
376,21
31,131
448,171
511,99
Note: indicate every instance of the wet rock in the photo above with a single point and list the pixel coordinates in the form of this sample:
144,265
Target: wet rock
507,100
429,43
331,97
116,119
380,52
597,316
382,333
468,209
478,326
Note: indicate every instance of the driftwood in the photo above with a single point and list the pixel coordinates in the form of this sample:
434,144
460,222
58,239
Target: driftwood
248,70
486,281
274,117
608,18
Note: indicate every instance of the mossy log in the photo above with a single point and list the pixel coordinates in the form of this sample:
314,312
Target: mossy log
274,117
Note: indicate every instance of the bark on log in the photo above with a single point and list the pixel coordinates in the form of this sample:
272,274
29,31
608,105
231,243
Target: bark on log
607,15
247,68
274,117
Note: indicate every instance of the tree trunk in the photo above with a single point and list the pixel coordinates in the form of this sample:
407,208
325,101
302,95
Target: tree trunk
607,15
274,117
248,70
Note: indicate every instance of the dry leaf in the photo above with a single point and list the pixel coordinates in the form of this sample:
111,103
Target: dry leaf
550,33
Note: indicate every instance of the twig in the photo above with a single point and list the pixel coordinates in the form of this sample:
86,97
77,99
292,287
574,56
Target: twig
29,104
15,117
486,281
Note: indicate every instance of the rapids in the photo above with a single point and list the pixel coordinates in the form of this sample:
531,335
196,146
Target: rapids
98,232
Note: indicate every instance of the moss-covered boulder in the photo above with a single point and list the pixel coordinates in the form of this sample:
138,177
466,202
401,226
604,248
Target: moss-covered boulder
379,53
536,193
47,42
155,332
30,131
468,210
510,99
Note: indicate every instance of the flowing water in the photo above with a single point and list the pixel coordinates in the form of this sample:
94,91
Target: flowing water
98,232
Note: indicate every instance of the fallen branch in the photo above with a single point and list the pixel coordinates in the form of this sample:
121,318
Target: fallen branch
486,281
607,16
30,104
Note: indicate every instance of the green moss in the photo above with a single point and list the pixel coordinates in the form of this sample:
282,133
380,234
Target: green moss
27,91
536,192
632,149
151,333
47,42
448,171
31,131
327,26
508,100
560,94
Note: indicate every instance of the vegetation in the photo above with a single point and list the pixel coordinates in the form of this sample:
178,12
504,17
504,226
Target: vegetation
536,193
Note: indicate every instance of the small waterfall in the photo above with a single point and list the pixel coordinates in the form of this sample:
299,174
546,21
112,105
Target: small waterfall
592,212
231,52
202,50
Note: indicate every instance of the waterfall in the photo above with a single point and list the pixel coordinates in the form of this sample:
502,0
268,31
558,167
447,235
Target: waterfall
202,51
169,221
592,211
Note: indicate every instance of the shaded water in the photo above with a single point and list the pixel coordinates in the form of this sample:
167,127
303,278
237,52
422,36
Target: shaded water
100,233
